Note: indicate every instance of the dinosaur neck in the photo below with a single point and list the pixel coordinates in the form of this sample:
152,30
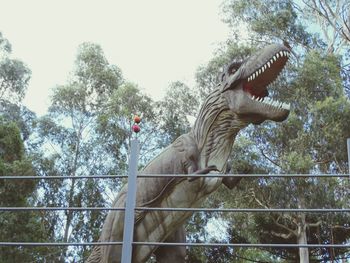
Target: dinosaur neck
221,136
215,131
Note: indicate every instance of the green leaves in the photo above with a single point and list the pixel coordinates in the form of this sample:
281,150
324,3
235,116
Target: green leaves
14,74
179,102
311,140
17,226
267,20
93,71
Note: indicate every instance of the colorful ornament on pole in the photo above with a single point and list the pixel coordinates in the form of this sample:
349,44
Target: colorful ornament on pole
136,128
137,119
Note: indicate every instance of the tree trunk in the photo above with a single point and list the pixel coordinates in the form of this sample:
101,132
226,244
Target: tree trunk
69,215
302,237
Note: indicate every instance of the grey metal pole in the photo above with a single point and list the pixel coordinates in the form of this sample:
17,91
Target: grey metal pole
129,217
348,142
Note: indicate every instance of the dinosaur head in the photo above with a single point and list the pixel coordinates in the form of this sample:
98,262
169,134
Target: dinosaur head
245,85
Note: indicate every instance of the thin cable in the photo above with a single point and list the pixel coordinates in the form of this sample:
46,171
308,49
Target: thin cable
242,245
112,176
183,209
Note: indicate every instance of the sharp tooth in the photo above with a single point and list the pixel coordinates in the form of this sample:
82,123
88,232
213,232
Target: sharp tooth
268,64
254,75
285,53
286,106
265,66
277,55
259,71
281,53
288,54
263,69
248,78
274,58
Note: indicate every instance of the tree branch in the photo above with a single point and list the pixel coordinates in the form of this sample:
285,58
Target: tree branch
269,159
342,227
282,235
317,224
291,231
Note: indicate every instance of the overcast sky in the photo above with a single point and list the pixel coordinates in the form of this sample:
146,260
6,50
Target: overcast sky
154,42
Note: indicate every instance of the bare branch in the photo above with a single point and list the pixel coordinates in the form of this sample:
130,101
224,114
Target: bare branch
291,231
317,224
282,235
342,227
269,159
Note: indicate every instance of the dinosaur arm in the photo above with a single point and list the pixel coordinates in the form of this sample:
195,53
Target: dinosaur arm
203,171
231,182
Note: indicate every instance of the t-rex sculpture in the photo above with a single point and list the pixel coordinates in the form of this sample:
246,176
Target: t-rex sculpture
240,99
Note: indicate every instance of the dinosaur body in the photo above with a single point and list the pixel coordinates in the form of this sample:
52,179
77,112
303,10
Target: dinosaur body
240,99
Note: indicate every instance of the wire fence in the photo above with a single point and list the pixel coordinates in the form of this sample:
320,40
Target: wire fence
141,175
131,207
183,209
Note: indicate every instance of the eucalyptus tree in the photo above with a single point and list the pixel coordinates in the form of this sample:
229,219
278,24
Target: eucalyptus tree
180,103
312,140
87,131
14,74
71,145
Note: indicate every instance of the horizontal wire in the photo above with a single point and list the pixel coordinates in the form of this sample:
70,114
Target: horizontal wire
181,209
296,210
18,177
63,244
247,175
174,209
27,177
243,245
8,209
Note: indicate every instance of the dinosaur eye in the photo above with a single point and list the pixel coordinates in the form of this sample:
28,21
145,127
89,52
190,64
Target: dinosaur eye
234,67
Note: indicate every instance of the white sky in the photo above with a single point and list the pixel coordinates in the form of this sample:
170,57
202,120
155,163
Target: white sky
154,42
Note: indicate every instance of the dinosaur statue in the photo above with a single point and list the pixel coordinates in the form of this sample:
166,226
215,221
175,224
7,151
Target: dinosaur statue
240,99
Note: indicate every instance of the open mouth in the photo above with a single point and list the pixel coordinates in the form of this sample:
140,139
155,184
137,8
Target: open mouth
256,84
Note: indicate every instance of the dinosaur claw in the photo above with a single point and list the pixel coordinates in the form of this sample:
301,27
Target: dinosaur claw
203,171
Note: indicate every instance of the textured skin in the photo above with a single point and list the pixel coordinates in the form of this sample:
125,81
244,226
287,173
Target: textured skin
205,148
